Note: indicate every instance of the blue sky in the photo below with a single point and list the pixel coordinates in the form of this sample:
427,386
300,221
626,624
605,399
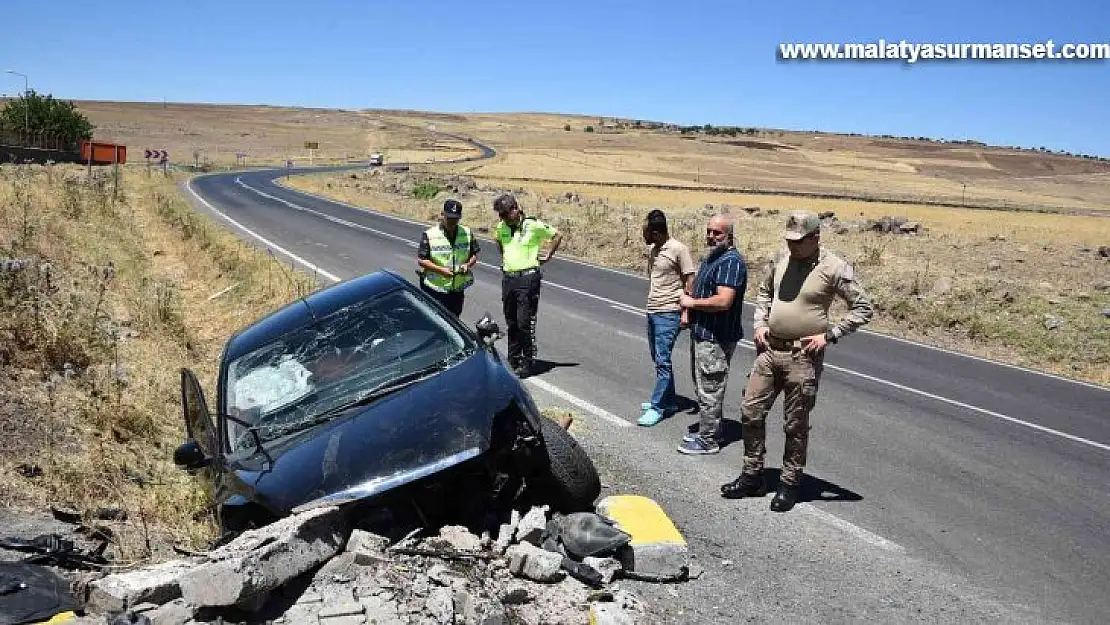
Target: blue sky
688,62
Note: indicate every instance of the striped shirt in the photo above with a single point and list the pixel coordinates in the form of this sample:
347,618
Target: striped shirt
724,326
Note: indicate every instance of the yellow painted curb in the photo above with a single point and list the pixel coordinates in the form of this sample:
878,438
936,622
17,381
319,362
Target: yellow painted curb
61,617
642,518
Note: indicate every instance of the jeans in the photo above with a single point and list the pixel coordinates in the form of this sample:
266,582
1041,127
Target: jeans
663,329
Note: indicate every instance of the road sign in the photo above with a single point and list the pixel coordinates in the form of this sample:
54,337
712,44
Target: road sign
158,155
312,145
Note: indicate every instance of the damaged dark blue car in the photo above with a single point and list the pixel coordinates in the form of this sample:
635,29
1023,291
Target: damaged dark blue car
371,395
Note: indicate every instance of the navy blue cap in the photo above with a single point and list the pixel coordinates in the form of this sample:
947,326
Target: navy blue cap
452,208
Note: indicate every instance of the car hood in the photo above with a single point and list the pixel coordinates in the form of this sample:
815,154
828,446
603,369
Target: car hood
434,424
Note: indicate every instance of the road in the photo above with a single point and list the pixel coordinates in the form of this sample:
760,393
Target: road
941,487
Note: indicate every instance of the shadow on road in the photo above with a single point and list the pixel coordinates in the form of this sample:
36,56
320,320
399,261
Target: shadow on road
813,488
731,430
540,366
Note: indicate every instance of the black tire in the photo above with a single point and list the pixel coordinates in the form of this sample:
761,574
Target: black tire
569,482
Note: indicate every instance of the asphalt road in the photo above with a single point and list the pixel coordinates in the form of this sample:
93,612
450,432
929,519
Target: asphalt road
941,487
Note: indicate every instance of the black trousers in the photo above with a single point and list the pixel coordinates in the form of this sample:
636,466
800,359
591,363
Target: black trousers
453,300
520,298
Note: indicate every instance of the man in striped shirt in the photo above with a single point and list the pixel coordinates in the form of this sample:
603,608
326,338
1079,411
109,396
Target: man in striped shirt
714,312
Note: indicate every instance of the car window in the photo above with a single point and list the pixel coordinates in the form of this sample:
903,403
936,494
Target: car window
311,371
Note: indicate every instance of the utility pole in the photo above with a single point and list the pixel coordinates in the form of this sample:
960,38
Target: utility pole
26,108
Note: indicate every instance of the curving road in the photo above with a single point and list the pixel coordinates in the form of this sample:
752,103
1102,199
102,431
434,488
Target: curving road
942,487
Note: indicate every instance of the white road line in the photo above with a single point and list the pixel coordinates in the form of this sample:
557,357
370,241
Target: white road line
629,309
343,222
579,402
850,528
748,302
267,242
637,311
984,411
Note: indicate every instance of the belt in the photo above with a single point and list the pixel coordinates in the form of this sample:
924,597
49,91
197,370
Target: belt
522,272
783,344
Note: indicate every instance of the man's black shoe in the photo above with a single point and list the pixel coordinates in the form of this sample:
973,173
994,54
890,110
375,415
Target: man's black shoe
746,485
784,499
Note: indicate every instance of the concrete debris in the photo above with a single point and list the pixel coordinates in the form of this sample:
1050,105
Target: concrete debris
539,565
320,567
155,584
457,538
610,614
608,567
531,527
263,559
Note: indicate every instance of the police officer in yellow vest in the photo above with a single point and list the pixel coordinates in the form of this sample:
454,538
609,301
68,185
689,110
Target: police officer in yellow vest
447,253
520,239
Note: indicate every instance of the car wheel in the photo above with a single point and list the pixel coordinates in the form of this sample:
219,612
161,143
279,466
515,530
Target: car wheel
569,481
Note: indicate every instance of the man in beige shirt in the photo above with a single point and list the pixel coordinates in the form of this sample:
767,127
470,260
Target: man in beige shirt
792,329
670,274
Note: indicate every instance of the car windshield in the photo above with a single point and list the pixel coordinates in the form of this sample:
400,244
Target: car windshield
311,374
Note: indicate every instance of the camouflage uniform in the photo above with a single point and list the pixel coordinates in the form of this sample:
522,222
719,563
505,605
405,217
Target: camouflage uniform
711,362
783,367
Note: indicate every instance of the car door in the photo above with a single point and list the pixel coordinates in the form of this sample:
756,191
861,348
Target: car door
198,421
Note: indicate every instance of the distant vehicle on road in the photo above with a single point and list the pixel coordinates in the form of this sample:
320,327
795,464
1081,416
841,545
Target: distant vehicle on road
377,158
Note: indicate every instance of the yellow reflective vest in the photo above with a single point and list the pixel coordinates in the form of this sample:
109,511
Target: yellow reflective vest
444,254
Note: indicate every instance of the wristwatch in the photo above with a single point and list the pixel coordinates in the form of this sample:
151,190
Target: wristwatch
830,337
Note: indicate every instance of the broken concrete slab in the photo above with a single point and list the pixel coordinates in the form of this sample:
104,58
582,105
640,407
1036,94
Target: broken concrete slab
441,605
533,524
155,584
263,559
176,612
608,567
657,550
539,565
610,614
457,538
367,548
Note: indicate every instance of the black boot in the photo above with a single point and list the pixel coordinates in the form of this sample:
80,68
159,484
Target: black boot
747,485
785,498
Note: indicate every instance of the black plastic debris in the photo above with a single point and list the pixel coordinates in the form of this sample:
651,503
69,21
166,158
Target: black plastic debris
52,549
586,534
30,593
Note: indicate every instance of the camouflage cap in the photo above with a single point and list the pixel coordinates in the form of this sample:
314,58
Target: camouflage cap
800,224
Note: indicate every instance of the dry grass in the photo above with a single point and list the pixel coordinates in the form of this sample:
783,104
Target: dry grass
114,299
936,287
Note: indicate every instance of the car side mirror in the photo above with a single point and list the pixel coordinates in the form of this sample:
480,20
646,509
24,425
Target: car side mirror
487,329
189,455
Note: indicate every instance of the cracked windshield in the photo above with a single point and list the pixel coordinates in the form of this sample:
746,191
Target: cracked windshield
347,358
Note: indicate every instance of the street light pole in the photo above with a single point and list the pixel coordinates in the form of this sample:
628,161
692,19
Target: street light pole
26,108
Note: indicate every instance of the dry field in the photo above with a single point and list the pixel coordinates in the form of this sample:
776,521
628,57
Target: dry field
267,135
535,147
94,327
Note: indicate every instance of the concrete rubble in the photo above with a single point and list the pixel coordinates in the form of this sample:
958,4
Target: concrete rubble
319,567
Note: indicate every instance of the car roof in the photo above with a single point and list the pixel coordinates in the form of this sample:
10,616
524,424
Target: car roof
310,308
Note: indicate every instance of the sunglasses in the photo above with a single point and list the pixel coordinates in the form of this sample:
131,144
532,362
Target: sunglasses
714,232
